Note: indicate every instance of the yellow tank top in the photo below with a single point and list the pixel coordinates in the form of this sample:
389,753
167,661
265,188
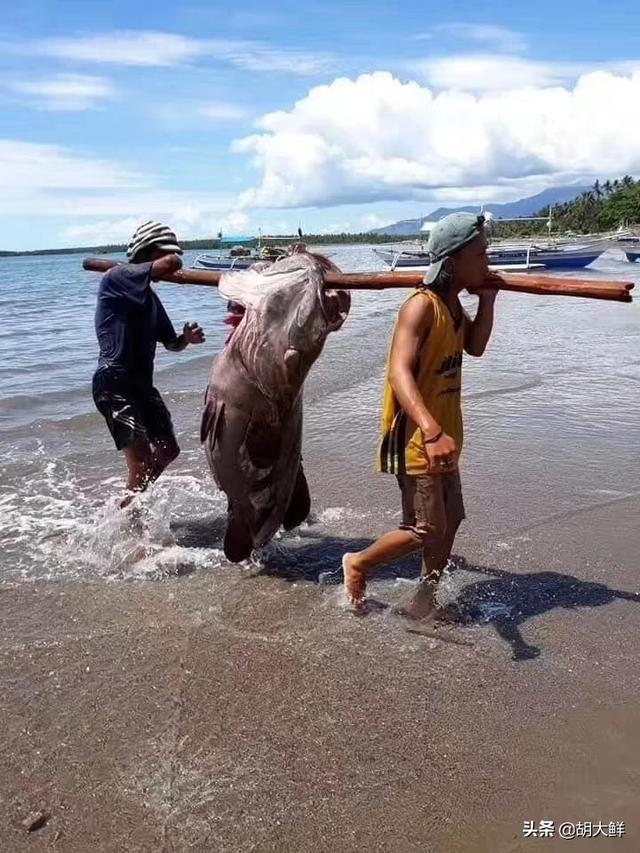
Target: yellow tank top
438,376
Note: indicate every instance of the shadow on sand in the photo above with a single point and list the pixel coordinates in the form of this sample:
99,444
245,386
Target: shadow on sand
504,599
508,599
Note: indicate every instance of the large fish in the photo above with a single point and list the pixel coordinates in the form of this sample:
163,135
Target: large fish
252,420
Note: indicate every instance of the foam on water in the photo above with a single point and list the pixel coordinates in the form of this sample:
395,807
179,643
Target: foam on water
58,526
541,437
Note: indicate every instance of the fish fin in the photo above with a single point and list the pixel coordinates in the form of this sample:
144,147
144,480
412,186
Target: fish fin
238,542
292,363
210,418
299,503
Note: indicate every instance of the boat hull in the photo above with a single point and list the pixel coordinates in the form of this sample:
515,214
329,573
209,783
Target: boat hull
212,263
506,258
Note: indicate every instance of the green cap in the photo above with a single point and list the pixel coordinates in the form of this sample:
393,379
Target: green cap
447,236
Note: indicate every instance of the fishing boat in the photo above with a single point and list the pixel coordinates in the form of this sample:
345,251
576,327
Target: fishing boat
239,253
420,260
567,251
509,255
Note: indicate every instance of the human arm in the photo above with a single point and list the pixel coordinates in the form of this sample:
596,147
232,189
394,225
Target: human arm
478,331
192,333
412,331
164,266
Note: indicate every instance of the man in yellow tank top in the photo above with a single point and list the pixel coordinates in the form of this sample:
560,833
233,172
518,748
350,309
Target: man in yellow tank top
421,424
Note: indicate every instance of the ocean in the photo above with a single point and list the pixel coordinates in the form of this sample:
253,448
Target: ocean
552,426
155,697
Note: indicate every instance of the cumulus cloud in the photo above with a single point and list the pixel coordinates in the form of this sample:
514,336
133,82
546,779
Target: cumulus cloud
377,138
485,72
479,72
64,92
150,48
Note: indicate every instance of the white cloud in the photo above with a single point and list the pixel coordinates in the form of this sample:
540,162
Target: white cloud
376,138
149,48
28,166
64,92
373,220
104,232
47,180
222,111
494,35
188,220
123,48
486,72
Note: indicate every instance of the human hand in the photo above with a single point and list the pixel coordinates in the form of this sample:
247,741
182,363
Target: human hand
489,288
442,453
193,333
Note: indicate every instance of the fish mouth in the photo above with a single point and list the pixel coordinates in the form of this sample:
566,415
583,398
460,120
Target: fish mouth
335,307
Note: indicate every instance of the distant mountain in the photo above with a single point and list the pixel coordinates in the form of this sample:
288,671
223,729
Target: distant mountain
522,207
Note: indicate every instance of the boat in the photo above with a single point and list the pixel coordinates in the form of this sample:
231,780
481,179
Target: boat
238,253
567,251
507,256
420,260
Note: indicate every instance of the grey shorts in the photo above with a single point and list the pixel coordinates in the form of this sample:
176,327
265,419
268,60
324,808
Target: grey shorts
432,505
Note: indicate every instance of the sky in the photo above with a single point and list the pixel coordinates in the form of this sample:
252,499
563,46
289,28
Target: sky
329,115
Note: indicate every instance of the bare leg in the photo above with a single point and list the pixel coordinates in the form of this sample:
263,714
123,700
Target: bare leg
145,465
391,546
163,456
422,603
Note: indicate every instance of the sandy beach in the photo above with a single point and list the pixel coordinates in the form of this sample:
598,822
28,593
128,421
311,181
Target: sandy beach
250,713
179,703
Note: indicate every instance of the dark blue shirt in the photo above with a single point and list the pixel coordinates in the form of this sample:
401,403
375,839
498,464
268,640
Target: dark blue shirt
129,320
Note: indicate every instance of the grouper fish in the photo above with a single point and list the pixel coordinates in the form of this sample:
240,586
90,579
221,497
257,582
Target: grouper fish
252,420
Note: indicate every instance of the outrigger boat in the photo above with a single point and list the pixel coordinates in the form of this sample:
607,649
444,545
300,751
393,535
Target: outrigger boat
240,254
563,252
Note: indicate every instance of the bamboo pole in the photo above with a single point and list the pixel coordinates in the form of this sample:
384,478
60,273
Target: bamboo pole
617,291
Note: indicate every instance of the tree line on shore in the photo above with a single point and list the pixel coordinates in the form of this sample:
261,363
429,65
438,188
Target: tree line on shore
214,243
605,207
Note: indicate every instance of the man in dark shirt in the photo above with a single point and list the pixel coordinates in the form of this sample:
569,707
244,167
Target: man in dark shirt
129,320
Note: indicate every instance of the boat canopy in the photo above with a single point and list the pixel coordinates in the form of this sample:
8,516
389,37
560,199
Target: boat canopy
235,241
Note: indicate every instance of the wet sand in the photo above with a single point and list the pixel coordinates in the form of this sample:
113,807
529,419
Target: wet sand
225,711
182,704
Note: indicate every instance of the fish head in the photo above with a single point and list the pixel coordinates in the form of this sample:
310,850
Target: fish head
289,310
319,310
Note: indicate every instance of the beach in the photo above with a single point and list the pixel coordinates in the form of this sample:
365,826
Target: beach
156,698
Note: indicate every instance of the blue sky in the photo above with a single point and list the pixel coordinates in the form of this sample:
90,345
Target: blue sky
336,115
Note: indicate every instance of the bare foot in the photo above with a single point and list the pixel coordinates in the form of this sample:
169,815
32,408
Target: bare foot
355,582
449,615
420,604
129,496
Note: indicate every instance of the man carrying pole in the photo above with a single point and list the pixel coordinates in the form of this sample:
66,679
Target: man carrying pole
421,421
129,320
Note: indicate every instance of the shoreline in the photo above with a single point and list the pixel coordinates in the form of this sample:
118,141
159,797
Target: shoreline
355,239
229,712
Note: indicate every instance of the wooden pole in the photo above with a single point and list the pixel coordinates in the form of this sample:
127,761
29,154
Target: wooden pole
617,291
